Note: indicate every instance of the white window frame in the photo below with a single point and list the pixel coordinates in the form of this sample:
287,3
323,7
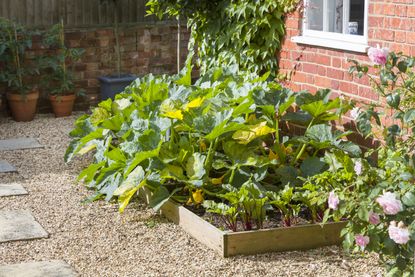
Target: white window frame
355,43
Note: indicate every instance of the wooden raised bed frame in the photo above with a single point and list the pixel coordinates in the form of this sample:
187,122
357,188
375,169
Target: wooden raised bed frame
228,243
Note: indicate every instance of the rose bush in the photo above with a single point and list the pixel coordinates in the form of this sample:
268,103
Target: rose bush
377,194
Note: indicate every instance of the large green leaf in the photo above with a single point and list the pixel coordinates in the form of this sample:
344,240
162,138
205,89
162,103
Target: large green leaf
312,166
321,110
195,166
140,157
160,196
134,179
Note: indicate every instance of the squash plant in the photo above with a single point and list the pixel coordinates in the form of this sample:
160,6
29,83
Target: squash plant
204,141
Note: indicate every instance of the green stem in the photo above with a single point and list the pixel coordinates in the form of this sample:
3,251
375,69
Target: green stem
62,44
303,147
232,176
209,159
280,153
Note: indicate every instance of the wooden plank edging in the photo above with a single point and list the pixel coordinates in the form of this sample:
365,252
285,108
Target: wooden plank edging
228,243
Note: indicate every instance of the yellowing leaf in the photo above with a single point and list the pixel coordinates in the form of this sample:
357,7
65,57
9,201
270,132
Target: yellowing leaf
272,155
217,181
125,197
197,196
287,150
203,146
251,117
174,114
254,131
195,103
87,148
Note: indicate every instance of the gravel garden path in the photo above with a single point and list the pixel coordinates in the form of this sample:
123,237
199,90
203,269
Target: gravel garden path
96,240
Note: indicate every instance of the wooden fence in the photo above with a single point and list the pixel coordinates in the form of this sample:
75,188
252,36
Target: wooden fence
75,13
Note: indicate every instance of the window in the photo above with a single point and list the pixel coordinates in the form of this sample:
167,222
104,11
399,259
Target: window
340,24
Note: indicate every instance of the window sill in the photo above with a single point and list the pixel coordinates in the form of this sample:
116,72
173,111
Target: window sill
331,43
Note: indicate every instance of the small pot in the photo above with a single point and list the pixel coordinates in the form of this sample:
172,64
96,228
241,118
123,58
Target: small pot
23,107
62,105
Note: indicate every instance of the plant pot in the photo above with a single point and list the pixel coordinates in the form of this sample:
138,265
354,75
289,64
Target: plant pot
62,105
111,85
23,107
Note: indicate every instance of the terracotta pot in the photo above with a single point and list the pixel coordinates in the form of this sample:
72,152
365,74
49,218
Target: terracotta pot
23,107
62,105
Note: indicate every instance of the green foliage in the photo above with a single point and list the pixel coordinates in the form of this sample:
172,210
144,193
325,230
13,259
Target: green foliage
15,40
243,33
216,138
58,78
377,196
394,172
395,84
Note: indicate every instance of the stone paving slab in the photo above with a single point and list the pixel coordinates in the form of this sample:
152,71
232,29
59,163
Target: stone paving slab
19,143
12,189
19,225
38,269
5,167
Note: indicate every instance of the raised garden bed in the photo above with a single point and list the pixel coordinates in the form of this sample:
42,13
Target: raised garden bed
228,243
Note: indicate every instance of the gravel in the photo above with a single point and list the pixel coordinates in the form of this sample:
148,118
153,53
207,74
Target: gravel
98,241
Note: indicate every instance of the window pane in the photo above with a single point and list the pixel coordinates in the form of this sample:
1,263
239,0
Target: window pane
335,16
315,15
356,19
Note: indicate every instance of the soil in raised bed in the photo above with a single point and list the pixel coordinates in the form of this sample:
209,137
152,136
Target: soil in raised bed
273,219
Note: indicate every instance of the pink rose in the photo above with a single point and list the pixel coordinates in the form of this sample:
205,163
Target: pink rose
354,113
374,218
389,203
333,201
378,55
399,234
361,240
358,167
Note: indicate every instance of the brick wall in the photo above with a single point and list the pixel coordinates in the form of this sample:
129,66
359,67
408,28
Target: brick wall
145,49
391,24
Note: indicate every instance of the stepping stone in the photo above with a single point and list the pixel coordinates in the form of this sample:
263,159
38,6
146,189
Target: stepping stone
12,189
19,225
6,167
19,143
38,269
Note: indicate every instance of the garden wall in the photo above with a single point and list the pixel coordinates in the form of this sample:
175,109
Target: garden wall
391,23
145,49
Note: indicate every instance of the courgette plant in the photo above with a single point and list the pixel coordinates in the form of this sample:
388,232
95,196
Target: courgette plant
207,139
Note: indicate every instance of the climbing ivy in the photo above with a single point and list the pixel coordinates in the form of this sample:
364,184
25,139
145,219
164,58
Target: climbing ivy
227,32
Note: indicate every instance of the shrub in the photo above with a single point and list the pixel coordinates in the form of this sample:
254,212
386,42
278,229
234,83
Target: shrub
378,196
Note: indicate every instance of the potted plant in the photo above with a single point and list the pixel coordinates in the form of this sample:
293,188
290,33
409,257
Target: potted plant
18,69
115,83
59,77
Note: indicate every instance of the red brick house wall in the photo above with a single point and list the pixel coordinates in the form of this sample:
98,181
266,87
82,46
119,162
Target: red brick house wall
391,23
